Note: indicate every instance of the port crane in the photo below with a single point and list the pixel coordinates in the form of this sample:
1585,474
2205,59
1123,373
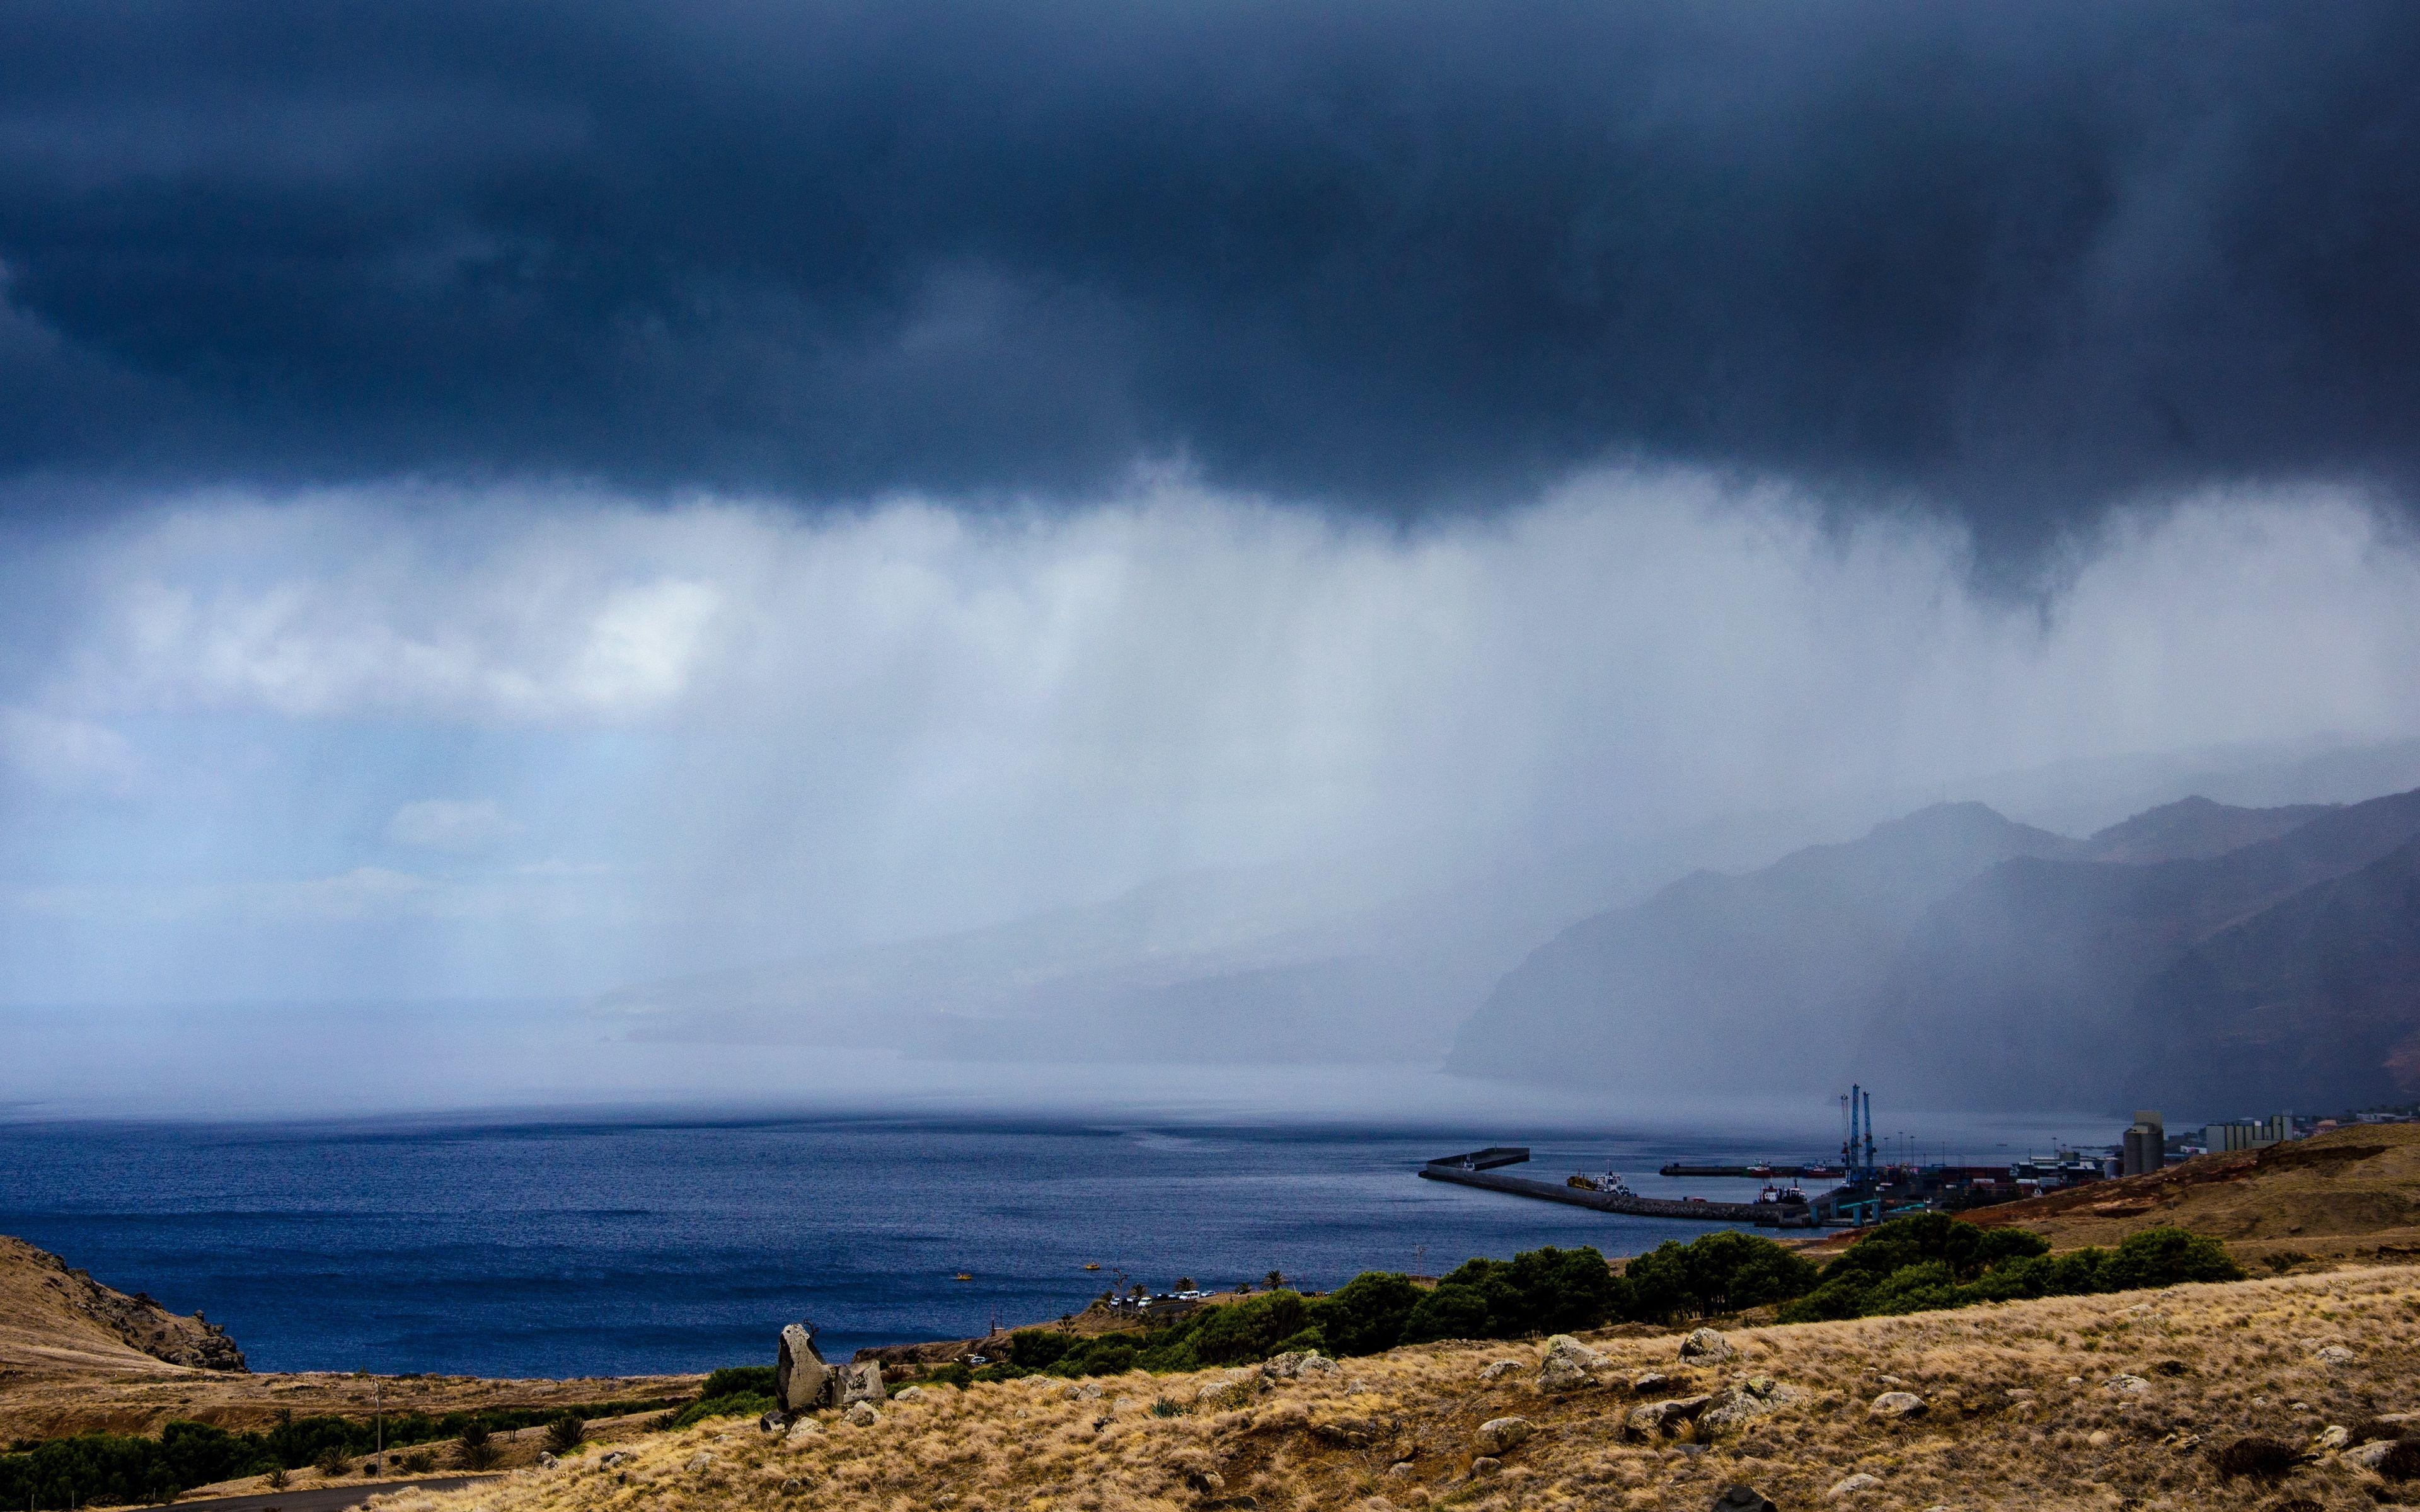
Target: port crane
1856,1163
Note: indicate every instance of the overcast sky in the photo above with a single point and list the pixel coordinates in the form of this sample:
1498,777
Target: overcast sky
515,499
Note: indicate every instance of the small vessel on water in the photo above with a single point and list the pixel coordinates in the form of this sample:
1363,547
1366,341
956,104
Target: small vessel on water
1092,1265
962,1275
1792,1195
1610,1183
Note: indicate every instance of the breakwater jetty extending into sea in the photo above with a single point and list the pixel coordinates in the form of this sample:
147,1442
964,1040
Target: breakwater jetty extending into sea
1481,1168
1752,1172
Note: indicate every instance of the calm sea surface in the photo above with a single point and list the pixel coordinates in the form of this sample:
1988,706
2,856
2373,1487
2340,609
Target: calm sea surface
571,1249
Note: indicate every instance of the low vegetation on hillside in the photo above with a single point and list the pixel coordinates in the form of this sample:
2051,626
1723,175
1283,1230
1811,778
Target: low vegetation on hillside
1541,1291
737,1390
1930,1260
1906,1265
2272,1392
89,1468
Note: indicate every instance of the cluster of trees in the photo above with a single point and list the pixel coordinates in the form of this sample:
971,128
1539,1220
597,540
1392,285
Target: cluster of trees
1542,1290
1930,1262
117,1467
1909,1264
735,1391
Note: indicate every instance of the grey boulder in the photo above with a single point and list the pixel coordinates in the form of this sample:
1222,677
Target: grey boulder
1706,1347
1667,1416
1567,1363
861,1382
801,1377
1498,1434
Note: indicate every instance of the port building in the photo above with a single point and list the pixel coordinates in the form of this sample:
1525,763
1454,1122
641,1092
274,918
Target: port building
2250,1133
2145,1148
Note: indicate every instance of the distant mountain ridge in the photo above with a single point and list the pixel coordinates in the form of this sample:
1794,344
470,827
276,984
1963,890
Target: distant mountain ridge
1331,964
2039,969
1761,974
2320,993
1742,977
2196,955
2196,828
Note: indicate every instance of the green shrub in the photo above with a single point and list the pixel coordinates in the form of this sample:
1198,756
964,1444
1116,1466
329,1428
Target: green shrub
1039,1349
1968,1250
1718,1272
476,1448
1466,1310
2167,1258
1366,1315
1538,1291
1240,1333
1034,1350
1930,1260
738,1381
103,1467
1837,1298
566,1432
1925,1287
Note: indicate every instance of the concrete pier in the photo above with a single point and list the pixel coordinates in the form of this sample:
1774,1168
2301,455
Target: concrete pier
1456,1169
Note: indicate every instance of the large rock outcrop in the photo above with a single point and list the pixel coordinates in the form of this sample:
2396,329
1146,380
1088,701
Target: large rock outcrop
801,1380
51,1313
804,1382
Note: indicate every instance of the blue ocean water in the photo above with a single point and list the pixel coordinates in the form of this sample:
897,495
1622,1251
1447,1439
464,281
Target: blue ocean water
554,1249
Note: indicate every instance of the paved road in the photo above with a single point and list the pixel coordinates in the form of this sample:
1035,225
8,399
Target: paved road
325,1498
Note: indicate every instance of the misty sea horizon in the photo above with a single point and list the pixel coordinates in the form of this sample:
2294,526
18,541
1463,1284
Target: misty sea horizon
602,1247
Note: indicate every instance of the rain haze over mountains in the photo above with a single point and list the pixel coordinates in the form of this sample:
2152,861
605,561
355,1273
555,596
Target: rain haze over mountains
956,552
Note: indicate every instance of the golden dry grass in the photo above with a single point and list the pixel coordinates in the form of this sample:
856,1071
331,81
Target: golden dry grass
2353,1193
58,1322
66,1367
139,1400
1402,1429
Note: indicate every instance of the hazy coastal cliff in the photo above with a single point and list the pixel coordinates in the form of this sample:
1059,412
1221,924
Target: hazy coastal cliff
1991,964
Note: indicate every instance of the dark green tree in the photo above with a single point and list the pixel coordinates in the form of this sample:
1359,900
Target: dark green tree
1367,1314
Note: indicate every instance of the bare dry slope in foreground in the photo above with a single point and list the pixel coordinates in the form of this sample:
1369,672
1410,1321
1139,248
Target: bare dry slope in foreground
2353,1193
2096,1402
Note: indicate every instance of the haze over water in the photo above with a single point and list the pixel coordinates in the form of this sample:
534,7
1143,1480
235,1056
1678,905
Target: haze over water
538,1249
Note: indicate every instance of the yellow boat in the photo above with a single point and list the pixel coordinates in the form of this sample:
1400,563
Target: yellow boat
1092,1265
962,1276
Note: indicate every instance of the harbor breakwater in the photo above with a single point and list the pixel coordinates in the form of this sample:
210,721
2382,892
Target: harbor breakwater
1478,1169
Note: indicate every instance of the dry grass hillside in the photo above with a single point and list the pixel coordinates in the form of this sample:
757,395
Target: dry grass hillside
131,1401
56,1320
77,1357
2103,1402
2353,1193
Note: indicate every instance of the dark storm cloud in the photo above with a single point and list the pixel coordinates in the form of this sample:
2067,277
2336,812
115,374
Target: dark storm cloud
2021,259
